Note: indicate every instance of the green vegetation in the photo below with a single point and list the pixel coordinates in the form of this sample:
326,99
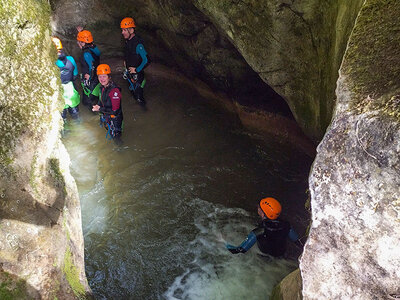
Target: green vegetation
55,172
72,275
27,82
289,288
372,63
12,288
387,106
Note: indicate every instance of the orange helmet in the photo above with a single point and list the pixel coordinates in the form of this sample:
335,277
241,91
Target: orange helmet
85,36
103,69
271,207
128,23
57,42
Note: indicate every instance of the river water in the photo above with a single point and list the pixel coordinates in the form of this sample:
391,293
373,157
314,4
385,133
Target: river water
158,210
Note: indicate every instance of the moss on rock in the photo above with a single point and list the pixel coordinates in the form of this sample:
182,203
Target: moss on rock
28,82
34,170
372,62
355,178
72,275
289,288
12,288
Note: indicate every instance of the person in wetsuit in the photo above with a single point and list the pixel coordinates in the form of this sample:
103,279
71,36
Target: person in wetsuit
89,61
135,59
109,104
68,74
271,234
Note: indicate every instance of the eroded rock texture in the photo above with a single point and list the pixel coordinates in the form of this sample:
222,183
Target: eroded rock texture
295,47
353,251
41,242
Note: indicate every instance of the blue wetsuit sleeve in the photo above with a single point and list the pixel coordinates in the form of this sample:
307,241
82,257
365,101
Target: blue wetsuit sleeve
248,242
74,64
293,236
59,63
89,60
96,51
245,245
143,54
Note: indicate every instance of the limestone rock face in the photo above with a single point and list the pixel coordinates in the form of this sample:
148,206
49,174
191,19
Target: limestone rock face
295,48
289,288
353,251
41,242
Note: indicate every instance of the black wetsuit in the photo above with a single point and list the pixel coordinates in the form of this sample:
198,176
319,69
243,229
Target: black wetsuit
136,57
111,109
90,59
271,236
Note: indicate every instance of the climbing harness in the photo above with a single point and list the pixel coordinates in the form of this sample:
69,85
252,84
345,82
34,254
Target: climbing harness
109,126
85,85
132,79
134,84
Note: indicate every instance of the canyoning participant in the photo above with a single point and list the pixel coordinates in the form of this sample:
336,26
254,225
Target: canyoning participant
271,234
136,59
89,60
109,104
68,74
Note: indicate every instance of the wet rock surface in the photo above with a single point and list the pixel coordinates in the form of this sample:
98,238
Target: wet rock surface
353,248
296,48
41,242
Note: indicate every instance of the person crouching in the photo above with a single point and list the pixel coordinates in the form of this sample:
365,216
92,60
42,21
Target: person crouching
109,104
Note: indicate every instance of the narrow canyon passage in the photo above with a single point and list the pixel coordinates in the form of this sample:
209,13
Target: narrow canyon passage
158,210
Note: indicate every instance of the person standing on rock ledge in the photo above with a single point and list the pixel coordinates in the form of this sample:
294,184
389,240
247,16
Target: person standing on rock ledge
89,60
136,59
271,234
109,104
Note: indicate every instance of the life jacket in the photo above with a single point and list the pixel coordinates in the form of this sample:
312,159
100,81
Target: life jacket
272,236
105,100
133,59
66,69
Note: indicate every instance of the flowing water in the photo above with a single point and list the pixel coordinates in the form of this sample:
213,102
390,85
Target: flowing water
158,210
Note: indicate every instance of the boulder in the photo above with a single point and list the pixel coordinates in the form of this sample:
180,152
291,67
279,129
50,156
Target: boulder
353,248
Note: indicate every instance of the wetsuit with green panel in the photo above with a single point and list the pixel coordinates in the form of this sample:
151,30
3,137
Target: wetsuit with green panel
68,73
89,61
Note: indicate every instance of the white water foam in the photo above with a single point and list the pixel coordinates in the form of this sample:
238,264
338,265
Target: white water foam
215,273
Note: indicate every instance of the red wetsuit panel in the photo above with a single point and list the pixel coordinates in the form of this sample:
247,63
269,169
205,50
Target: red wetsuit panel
115,96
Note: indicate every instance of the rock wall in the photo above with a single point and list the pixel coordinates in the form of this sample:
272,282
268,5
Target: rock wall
244,48
353,251
296,47
41,242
